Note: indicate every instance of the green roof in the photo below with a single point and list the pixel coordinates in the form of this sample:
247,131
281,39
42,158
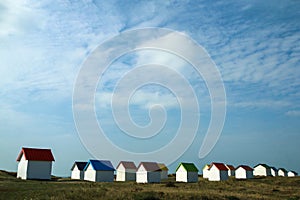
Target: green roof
188,167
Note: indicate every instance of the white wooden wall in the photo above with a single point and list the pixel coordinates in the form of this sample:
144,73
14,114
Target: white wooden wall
205,172
261,171
217,175
126,175
90,174
240,173
181,174
141,177
77,174
22,168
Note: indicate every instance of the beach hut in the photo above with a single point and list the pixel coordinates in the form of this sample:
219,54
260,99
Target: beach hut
282,172
243,172
262,170
205,171
292,174
218,172
164,171
274,171
99,171
126,171
186,172
77,170
35,163
231,170
148,172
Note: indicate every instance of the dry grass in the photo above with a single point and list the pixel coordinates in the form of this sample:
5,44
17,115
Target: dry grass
258,188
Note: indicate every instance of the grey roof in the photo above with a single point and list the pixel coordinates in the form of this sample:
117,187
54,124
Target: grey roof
150,166
127,165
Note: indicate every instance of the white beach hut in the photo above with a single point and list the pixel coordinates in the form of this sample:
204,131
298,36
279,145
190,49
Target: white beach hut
243,172
148,172
282,172
262,170
292,174
205,171
274,171
186,172
99,171
231,170
126,171
35,163
77,170
218,172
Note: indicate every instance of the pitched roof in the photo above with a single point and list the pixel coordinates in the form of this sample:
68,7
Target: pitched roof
294,172
150,166
274,168
231,167
207,165
100,165
36,154
80,165
245,167
264,165
282,169
219,166
127,165
190,167
163,167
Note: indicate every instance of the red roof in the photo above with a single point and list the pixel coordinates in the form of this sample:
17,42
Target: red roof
36,154
230,167
245,167
219,166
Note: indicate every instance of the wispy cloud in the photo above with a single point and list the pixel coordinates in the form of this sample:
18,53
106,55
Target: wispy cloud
18,18
262,104
254,44
293,113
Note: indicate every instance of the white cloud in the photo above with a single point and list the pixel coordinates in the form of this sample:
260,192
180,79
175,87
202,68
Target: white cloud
293,113
141,98
149,99
43,45
18,17
261,104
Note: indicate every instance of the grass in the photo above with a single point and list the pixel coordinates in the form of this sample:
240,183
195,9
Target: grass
63,188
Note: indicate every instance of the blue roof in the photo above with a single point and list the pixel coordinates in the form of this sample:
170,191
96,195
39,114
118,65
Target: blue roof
100,165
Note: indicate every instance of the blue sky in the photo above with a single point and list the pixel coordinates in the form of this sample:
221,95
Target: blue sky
254,44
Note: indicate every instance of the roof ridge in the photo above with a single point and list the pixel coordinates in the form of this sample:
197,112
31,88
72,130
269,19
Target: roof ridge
36,154
188,167
100,165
